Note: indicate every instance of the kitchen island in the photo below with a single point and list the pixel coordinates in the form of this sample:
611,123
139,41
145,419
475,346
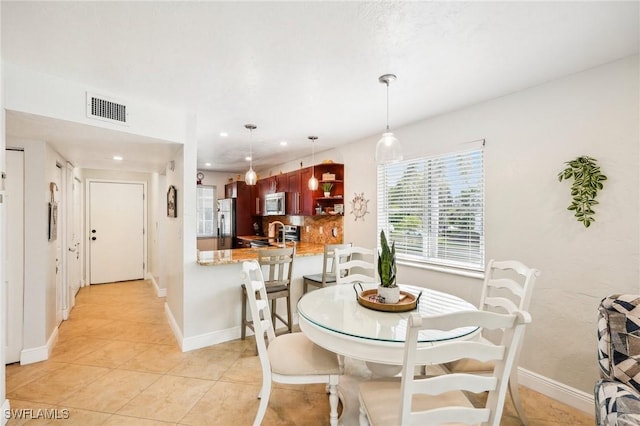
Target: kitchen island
212,296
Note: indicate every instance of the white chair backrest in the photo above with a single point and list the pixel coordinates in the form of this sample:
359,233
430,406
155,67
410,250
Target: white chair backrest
355,257
496,384
509,275
329,260
259,307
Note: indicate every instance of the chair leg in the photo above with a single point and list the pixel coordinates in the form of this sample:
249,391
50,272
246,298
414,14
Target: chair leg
515,398
264,395
333,400
243,323
289,321
274,306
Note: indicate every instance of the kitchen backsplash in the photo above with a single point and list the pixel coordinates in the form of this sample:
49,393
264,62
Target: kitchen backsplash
315,229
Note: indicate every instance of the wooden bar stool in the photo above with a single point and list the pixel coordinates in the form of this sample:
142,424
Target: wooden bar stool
279,263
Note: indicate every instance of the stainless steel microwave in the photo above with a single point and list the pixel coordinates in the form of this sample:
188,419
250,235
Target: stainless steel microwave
274,204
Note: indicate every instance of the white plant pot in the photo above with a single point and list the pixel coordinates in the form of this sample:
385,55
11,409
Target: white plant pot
390,294
327,194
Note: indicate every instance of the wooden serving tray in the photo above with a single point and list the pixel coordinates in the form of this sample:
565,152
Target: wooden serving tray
407,301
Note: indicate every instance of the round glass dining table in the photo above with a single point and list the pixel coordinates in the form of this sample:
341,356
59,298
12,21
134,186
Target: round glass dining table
332,318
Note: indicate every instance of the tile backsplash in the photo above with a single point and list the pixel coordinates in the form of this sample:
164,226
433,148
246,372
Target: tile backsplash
315,229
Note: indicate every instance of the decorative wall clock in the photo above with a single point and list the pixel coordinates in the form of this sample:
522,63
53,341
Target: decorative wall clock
359,206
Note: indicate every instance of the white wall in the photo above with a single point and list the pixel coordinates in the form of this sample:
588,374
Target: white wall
174,230
50,96
219,179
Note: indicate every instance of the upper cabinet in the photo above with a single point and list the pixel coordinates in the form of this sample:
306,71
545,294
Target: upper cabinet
300,200
330,194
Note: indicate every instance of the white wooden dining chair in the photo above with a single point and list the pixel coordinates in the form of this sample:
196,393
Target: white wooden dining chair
508,285
355,264
288,358
420,400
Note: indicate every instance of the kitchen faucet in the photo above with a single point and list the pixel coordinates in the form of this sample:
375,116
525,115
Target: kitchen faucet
272,230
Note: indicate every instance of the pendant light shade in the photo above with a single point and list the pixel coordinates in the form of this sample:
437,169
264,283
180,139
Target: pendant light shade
388,149
250,178
313,182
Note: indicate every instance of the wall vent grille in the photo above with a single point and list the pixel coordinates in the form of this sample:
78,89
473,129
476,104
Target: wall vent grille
106,109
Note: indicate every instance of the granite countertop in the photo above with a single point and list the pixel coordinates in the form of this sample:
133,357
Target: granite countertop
225,257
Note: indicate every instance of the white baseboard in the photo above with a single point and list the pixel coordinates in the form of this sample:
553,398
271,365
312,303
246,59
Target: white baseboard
160,292
6,411
566,394
208,339
41,353
174,325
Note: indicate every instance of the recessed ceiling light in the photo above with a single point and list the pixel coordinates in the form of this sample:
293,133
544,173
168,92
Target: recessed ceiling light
247,158
283,143
117,158
207,164
224,134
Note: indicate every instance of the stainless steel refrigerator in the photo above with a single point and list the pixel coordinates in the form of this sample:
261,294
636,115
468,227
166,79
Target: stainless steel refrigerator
226,222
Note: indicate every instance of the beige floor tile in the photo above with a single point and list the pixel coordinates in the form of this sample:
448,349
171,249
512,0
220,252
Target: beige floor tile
71,349
59,384
207,363
224,404
117,420
113,353
115,389
156,359
246,369
168,399
19,375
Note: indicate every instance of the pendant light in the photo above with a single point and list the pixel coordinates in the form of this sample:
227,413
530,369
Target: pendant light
313,182
250,178
388,148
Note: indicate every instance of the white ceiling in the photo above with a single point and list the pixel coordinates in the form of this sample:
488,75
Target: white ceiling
298,68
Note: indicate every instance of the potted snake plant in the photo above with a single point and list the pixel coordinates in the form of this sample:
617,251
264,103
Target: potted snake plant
387,271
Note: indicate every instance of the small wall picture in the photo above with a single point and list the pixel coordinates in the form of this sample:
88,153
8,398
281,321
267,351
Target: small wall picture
172,202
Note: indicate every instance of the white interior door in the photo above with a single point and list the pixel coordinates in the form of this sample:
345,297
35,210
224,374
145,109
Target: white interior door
14,256
62,311
116,231
74,227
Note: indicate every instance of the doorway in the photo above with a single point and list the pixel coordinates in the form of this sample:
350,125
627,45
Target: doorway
116,231
74,231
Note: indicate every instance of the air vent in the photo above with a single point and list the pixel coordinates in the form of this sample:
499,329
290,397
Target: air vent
103,108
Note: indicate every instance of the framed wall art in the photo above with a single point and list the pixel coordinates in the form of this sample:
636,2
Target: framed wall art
172,202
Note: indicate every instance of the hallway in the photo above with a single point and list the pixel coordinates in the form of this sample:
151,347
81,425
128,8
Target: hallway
116,362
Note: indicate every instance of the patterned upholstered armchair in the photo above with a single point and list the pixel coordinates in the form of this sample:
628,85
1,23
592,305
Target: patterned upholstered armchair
617,394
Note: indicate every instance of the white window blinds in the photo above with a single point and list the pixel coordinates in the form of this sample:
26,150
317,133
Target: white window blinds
433,208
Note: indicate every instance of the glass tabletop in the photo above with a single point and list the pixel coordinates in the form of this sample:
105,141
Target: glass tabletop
335,308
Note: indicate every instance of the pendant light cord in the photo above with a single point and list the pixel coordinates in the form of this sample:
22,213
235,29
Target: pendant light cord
387,83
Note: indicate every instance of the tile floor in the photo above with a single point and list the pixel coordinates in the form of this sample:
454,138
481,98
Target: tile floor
116,362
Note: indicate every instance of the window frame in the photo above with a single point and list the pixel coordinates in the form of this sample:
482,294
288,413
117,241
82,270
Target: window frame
460,249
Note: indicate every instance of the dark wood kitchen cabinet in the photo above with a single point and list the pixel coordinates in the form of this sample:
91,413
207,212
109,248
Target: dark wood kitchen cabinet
306,195
330,173
293,193
299,196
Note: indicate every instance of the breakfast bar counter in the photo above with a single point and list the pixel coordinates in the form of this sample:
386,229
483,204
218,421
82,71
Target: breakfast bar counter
225,257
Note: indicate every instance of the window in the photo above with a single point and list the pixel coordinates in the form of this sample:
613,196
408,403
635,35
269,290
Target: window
205,210
433,208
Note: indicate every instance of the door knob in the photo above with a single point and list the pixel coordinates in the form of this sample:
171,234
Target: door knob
93,231
93,238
